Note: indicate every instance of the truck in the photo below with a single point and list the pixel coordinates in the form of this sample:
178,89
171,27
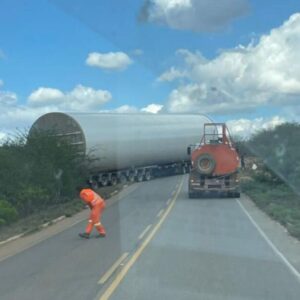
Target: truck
215,164
126,147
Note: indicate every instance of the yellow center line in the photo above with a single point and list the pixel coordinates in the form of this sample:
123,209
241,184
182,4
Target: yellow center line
145,231
160,213
120,276
112,269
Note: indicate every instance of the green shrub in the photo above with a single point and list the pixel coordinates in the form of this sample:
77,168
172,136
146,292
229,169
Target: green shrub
294,229
39,170
30,198
8,213
2,222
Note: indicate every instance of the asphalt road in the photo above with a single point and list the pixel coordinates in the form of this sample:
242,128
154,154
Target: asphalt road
160,245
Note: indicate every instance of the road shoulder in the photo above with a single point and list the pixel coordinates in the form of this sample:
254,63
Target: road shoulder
23,242
278,234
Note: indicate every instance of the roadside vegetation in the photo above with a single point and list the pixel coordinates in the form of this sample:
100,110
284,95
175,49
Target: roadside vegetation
275,184
37,173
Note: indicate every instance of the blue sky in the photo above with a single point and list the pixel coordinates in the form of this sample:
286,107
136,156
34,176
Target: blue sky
45,44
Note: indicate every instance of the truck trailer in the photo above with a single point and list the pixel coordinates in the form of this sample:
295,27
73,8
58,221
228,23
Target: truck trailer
127,147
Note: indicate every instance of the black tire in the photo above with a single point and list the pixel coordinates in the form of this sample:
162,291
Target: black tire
148,175
139,177
113,180
104,181
205,164
130,177
94,185
122,179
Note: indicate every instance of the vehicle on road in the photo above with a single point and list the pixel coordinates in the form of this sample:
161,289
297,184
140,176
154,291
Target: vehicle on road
127,147
214,163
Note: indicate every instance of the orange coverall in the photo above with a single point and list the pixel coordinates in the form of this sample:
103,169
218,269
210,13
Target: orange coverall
97,206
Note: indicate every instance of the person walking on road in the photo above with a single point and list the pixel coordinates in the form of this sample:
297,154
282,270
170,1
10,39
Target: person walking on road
97,206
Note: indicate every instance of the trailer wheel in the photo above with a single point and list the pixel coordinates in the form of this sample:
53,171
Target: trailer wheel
94,185
114,180
139,177
104,180
122,179
147,175
205,164
130,177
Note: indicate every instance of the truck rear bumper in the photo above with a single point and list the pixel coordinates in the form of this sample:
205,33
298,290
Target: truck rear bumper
199,188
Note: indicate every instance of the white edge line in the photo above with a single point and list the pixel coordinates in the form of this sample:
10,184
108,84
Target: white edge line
145,231
169,201
11,239
15,237
274,248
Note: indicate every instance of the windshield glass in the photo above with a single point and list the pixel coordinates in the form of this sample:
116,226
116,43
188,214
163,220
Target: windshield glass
149,149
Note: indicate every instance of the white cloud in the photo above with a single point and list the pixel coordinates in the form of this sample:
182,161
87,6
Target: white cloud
244,78
109,61
130,109
81,98
44,95
7,98
245,127
152,108
171,75
194,15
126,109
19,117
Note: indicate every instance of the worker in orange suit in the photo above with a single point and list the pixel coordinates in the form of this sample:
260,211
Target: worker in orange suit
97,206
